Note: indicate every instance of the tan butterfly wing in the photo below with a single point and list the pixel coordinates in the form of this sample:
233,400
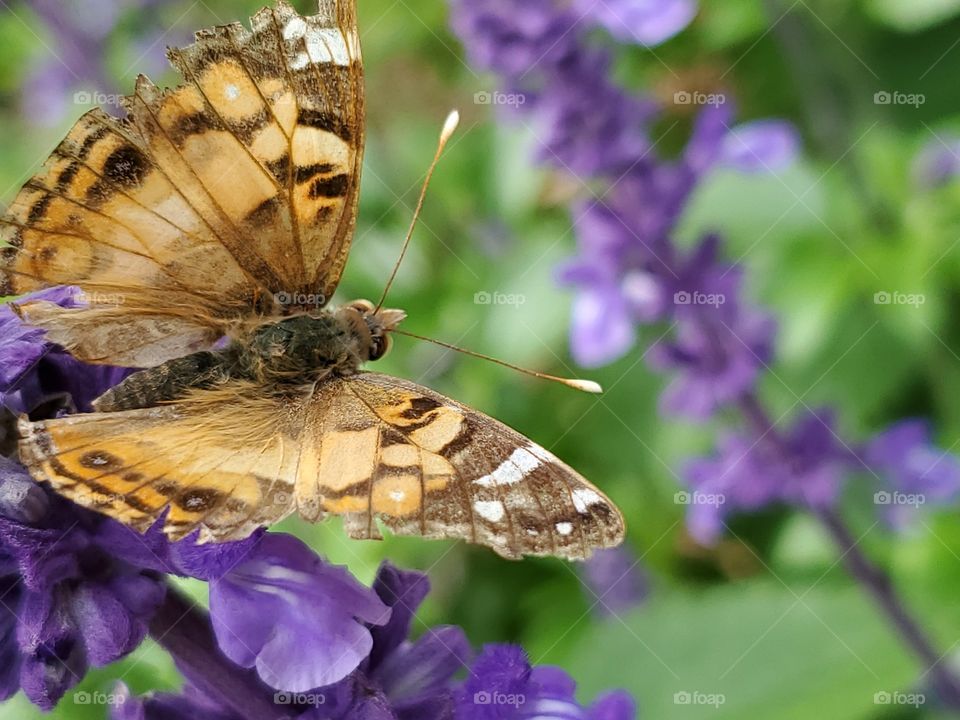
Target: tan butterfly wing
223,461
369,448
231,196
381,448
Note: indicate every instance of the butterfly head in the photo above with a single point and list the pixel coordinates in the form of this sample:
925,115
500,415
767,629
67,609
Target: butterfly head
371,326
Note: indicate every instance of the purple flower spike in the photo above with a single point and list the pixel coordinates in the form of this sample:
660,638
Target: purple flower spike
296,619
647,22
915,472
804,468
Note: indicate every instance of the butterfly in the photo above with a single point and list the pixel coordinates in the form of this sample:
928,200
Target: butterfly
225,208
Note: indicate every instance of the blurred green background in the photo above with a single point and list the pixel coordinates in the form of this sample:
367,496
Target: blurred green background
767,619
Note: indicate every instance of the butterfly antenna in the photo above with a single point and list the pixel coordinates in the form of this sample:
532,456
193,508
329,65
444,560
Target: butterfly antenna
577,384
449,127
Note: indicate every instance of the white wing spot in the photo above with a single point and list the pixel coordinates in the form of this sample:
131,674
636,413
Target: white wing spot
323,44
512,470
583,498
564,528
398,495
491,510
232,92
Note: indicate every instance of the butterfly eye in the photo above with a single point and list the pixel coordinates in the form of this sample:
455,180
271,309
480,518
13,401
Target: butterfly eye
380,346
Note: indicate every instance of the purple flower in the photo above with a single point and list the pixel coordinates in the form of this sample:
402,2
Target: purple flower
804,467
73,599
720,344
299,621
615,580
913,470
761,146
503,686
34,372
647,22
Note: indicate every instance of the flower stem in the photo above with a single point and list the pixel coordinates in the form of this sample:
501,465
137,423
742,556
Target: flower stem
868,574
183,629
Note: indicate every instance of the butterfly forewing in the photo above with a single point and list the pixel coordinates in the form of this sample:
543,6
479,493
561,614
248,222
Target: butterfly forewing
232,196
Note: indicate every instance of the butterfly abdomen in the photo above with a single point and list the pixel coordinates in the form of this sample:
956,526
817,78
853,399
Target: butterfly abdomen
169,381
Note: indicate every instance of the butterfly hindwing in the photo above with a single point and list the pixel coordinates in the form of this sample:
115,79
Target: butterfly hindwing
369,448
425,465
224,461
209,203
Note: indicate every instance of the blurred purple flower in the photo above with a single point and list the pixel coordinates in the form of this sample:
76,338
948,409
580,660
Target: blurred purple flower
647,22
79,30
615,580
518,39
503,686
804,467
720,344
914,471
938,162
761,146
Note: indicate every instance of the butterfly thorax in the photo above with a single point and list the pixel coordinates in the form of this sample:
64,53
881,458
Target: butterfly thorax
288,355
304,349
